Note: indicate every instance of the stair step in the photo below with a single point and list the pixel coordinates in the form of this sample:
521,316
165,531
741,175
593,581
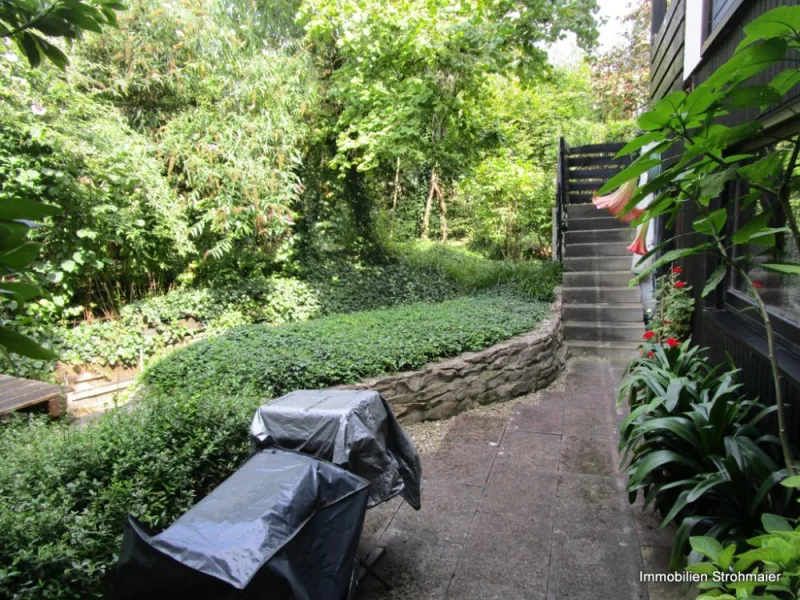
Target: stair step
596,161
598,331
607,148
602,173
607,350
588,295
586,211
587,236
585,186
573,199
602,264
598,278
604,221
620,312
598,249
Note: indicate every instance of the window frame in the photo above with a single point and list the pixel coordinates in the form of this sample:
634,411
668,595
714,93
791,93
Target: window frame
744,308
711,35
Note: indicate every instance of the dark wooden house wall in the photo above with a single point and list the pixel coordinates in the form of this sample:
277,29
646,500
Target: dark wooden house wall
716,325
666,52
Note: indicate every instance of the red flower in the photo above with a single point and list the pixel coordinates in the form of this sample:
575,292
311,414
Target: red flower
672,342
680,284
650,354
649,335
677,270
667,322
758,285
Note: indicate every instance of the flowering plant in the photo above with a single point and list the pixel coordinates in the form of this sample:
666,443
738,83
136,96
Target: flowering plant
674,308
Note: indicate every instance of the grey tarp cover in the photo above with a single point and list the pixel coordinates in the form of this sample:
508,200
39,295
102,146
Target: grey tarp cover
355,429
284,526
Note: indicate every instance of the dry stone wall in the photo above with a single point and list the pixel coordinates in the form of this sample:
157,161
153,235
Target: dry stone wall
512,368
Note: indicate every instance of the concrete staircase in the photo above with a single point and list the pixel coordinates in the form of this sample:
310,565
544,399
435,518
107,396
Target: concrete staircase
602,316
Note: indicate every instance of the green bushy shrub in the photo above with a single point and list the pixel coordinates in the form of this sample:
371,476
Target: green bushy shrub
775,554
65,491
534,280
264,361
696,449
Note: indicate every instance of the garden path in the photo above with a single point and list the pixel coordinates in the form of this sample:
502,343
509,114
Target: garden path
527,507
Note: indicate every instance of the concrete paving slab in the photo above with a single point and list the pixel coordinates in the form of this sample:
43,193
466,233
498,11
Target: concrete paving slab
475,589
539,450
586,504
415,568
446,515
470,467
587,423
536,419
583,381
598,401
376,522
601,567
478,430
518,489
507,550
587,455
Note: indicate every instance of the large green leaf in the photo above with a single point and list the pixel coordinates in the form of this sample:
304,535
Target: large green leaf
21,256
669,257
754,226
639,166
21,344
748,62
714,280
658,459
708,547
753,96
21,208
783,21
640,142
713,223
787,268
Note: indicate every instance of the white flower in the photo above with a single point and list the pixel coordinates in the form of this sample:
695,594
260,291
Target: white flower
38,109
213,147
11,57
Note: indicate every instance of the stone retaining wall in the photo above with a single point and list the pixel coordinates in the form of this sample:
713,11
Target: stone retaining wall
512,368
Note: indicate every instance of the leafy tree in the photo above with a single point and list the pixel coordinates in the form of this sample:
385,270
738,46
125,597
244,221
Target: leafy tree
712,161
26,23
408,77
504,201
621,75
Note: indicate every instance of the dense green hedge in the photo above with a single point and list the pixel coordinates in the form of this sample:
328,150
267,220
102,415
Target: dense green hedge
260,360
65,491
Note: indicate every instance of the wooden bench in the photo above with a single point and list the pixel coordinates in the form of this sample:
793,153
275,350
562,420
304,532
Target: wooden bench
17,393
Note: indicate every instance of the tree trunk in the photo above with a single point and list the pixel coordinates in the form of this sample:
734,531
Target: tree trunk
442,213
426,216
394,198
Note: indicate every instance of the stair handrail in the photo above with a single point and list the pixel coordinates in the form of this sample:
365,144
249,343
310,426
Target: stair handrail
562,184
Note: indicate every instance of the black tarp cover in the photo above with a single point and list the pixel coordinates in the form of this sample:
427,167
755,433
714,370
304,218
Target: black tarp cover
284,526
355,429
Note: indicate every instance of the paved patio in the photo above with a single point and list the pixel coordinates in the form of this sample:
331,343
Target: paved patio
529,507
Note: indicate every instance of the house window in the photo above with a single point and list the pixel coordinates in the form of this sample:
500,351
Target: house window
719,11
781,293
